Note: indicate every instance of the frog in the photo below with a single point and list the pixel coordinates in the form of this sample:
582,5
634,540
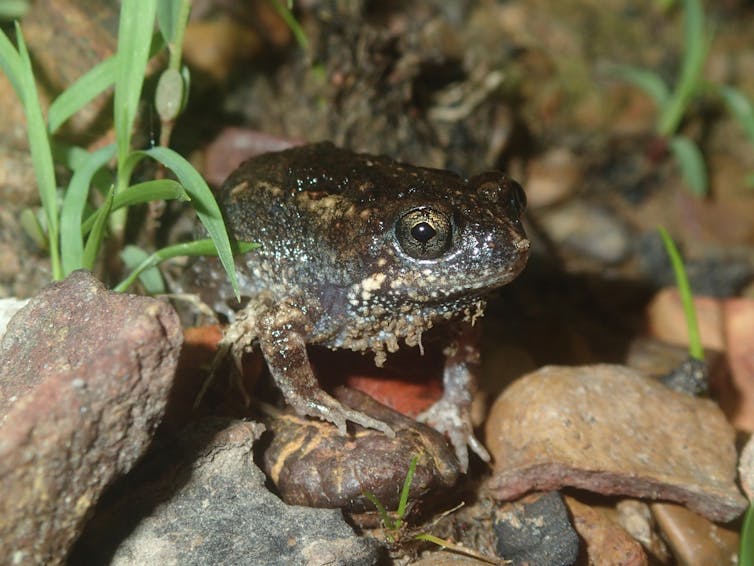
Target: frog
365,253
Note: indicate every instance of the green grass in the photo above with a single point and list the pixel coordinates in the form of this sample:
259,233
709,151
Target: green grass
673,101
70,228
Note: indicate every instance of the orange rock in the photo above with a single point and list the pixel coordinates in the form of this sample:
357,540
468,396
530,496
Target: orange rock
739,333
606,541
667,321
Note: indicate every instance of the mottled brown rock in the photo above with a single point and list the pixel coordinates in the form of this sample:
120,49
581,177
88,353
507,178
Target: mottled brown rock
694,540
746,468
606,541
84,378
312,464
612,430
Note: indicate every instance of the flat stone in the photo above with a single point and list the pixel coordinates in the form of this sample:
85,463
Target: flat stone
213,508
84,378
612,430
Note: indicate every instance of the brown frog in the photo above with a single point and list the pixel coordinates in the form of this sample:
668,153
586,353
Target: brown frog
362,252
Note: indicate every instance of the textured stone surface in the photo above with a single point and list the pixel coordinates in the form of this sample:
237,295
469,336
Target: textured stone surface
611,430
202,500
536,530
746,468
606,541
84,377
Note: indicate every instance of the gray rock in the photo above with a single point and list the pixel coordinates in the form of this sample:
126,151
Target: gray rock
222,513
536,530
84,378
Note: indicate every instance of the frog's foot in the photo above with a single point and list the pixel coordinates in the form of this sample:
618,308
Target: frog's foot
454,421
327,408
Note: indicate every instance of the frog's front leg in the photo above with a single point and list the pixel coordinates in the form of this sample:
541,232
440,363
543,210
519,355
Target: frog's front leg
284,349
451,415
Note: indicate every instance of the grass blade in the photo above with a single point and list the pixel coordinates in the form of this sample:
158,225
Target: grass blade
134,38
82,92
97,235
161,189
695,43
647,81
196,248
691,162
72,210
741,107
41,154
406,488
746,553
150,277
10,63
203,202
687,298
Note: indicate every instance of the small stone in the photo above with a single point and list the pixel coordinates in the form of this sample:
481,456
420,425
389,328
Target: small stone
590,230
536,530
612,430
9,307
738,316
694,540
746,468
312,464
552,177
84,379
636,518
667,320
606,541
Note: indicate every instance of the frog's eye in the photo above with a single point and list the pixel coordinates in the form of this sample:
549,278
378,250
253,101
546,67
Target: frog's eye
424,233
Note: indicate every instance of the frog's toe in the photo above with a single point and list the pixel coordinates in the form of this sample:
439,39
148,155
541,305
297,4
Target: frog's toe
455,422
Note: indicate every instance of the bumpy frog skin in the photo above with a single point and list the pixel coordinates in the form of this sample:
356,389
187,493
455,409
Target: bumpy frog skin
362,252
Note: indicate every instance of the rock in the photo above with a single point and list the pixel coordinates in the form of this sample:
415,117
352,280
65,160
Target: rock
9,307
612,430
552,177
667,320
636,518
312,464
590,230
84,378
746,468
738,316
536,530
214,508
606,541
694,540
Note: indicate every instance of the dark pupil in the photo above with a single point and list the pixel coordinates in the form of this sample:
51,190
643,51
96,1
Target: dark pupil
423,232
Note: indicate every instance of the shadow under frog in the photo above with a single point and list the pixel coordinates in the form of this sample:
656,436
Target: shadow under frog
362,252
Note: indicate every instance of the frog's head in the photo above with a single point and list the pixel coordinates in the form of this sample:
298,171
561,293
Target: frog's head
456,242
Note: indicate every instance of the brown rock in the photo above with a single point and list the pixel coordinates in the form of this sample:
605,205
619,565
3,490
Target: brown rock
739,334
667,320
611,430
606,541
746,468
694,540
84,380
636,518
